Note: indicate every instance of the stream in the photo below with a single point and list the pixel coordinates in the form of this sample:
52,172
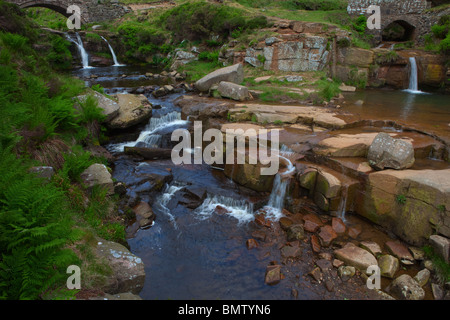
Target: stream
196,248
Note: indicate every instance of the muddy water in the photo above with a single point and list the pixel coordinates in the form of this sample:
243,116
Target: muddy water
428,112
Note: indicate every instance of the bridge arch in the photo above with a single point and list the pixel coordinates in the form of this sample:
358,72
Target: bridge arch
57,6
399,30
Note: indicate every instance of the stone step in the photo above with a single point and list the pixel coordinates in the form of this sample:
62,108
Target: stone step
327,187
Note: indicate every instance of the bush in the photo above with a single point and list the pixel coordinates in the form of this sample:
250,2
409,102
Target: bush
328,89
207,20
444,46
141,40
440,31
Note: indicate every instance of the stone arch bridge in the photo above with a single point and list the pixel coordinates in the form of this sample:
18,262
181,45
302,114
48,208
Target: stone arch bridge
91,10
412,15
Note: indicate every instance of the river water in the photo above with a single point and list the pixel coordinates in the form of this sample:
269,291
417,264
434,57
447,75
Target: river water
201,253
429,112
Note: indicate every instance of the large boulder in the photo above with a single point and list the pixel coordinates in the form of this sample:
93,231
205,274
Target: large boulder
181,58
234,74
133,110
110,108
410,203
387,152
406,288
233,91
97,175
199,108
127,270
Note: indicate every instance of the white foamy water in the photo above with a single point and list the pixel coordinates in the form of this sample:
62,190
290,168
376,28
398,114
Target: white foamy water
149,135
167,195
240,209
281,183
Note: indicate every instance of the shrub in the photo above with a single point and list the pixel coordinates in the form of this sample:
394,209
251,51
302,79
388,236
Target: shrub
207,20
328,89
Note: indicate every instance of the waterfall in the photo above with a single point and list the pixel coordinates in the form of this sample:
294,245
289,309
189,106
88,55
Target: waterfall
280,185
83,53
413,82
413,86
116,63
343,204
167,195
242,210
149,136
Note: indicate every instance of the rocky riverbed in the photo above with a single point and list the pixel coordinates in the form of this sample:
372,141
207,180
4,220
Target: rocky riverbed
194,225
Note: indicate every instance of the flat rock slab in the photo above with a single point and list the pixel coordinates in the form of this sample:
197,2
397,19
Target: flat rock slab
355,256
373,247
322,117
400,251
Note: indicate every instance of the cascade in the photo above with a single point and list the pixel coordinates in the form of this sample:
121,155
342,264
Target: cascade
83,53
116,63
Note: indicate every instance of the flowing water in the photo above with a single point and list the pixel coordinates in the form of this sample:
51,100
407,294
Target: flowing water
83,53
116,63
196,248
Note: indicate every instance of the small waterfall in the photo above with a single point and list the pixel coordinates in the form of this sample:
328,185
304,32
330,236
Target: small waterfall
343,204
413,82
280,185
413,86
149,136
83,53
116,63
167,195
242,210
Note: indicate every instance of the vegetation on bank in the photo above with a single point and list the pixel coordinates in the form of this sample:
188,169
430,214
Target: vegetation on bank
44,223
439,38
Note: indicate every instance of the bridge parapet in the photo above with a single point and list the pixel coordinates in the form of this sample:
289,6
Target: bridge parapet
91,10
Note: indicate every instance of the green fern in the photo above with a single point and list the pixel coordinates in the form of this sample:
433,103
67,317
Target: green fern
35,226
